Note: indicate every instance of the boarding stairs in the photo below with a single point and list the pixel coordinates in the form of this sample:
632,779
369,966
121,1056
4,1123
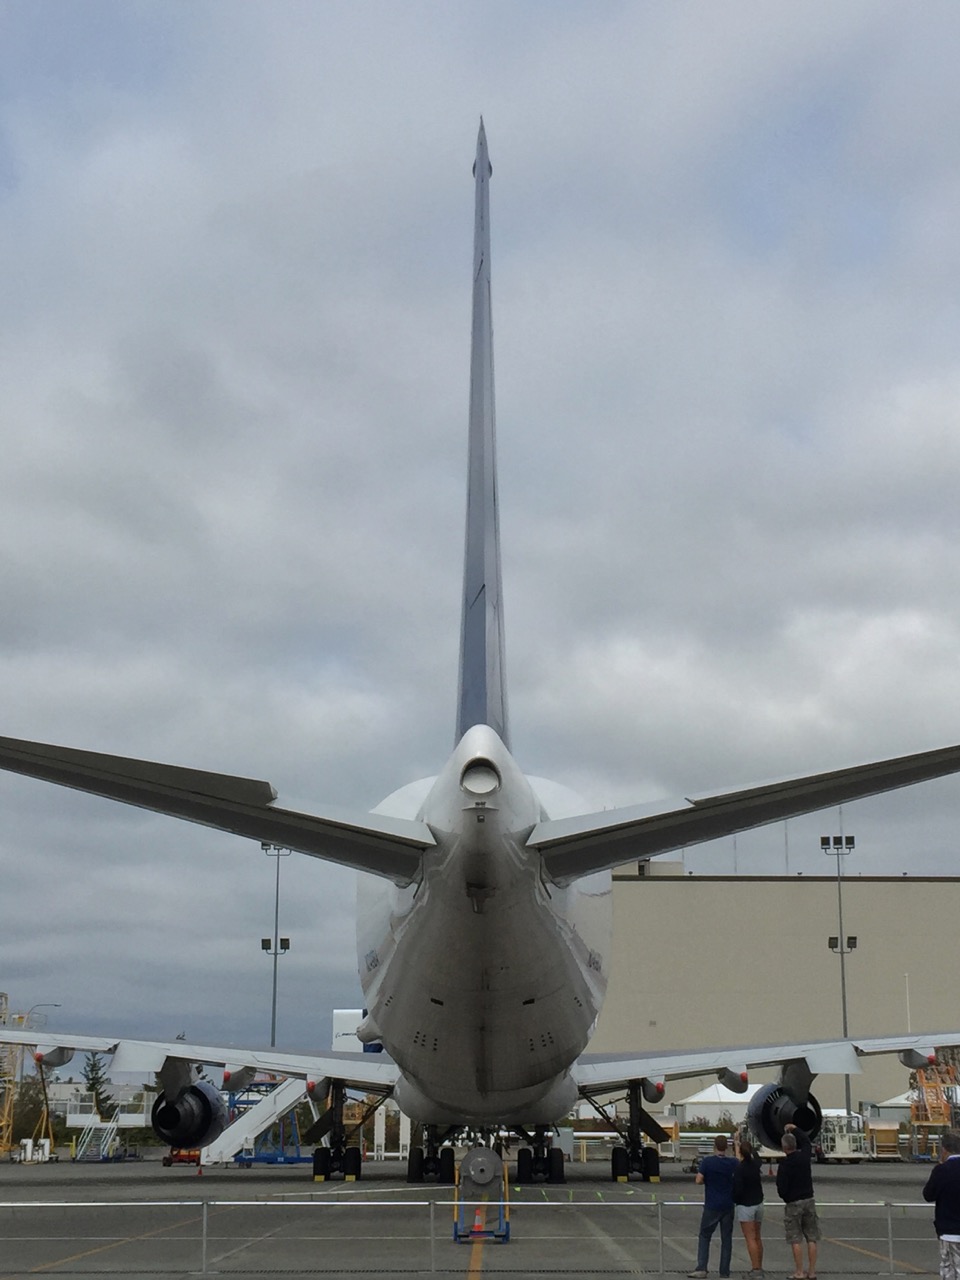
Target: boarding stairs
97,1139
241,1135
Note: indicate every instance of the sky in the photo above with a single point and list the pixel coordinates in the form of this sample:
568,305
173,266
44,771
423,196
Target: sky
235,257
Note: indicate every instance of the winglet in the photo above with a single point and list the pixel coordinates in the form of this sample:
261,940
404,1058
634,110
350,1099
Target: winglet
482,697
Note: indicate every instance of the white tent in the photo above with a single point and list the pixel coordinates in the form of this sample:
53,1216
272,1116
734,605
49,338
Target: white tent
715,1103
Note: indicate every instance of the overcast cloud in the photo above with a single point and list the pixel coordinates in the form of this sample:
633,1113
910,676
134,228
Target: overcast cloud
235,245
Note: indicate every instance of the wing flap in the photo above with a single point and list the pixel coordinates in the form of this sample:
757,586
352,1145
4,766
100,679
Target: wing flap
375,843
573,847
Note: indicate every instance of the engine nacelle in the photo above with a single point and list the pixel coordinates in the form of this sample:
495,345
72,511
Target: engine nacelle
194,1118
772,1108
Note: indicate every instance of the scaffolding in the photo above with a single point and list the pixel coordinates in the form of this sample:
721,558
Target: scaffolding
932,1109
11,1056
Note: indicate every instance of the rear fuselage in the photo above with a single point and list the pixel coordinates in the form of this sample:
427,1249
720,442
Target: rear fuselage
484,979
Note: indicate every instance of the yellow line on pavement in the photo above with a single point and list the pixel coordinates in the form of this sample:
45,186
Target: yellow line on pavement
476,1249
103,1248
881,1257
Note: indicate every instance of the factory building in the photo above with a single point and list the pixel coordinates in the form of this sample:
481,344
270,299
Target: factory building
702,961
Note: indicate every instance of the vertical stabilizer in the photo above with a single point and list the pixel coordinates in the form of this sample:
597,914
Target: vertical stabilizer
482,696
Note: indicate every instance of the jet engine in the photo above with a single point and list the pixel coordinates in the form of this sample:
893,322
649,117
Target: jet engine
197,1115
772,1108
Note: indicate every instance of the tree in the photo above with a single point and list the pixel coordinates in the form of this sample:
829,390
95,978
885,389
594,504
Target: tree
95,1078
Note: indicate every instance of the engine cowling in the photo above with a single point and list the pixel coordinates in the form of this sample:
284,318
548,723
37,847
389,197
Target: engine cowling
772,1108
195,1117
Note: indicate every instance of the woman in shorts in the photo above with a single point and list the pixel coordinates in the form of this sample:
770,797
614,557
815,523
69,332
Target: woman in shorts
748,1202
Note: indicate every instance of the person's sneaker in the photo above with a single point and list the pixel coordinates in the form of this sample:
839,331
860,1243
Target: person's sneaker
696,1275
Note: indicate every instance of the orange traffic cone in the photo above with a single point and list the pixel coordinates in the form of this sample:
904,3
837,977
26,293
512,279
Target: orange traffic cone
477,1228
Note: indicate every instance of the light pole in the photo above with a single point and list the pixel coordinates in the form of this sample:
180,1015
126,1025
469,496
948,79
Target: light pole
44,1004
24,1020
280,945
841,945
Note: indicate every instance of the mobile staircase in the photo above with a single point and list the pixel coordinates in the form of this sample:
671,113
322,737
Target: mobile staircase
239,1140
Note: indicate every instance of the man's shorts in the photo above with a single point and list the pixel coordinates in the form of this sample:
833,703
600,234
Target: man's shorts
800,1221
749,1212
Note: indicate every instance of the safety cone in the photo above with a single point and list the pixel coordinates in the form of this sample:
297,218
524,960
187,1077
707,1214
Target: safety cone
477,1228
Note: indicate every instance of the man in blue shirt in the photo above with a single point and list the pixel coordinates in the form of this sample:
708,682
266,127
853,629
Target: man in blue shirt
716,1174
943,1188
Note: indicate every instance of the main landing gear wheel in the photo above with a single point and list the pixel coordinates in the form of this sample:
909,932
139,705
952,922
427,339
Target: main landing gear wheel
445,1170
415,1165
352,1163
431,1162
540,1162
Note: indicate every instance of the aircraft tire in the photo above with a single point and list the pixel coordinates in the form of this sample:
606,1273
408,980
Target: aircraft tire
447,1161
352,1162
524,1166
415,1165
619,1163
556,1171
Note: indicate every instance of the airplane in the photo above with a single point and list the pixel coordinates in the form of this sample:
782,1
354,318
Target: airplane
483,905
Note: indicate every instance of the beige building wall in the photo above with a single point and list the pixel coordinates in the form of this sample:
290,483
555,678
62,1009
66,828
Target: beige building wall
702,961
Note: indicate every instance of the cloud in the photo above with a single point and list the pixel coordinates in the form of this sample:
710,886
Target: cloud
236,247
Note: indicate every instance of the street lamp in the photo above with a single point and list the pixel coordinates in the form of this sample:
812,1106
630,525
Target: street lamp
280,945
841,945
25,1021
25,1017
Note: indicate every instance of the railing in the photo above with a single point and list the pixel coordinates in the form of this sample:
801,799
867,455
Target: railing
339,1232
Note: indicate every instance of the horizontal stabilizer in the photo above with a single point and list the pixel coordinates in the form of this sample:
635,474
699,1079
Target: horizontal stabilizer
382,845
573,847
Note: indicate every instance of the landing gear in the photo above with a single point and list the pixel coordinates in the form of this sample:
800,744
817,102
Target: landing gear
431,1162
634,1159
336,1160
539,1162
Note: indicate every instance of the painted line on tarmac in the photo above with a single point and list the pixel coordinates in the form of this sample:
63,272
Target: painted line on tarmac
103,1248
881,1257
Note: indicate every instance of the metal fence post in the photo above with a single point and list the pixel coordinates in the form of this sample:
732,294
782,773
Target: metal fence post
660,1232
203,1244
433,1236
889,1205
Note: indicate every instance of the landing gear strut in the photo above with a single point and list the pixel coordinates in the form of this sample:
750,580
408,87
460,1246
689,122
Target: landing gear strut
633,1159
431,1162
336,1160
539,1161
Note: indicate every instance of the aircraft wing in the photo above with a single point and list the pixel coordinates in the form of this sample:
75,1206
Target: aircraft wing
372,842
372,1072
598,1073
573,847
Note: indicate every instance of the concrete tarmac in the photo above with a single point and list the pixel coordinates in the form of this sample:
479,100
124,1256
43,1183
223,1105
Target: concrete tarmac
140,1220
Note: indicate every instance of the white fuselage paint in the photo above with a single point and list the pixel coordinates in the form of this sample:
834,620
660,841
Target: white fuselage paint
484,979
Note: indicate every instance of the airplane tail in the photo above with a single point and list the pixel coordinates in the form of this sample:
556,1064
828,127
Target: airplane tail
482,696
